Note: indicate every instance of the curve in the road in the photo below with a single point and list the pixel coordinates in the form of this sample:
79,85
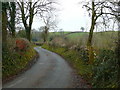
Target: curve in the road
50,71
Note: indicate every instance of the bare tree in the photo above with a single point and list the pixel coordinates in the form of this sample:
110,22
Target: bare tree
43,33
97,9
49,19
30,9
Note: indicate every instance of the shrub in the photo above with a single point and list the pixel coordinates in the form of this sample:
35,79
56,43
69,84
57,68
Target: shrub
13,61
105,70
21,44
84,54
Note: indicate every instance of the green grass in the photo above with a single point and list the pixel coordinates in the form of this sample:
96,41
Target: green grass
69,35
76,35
80,34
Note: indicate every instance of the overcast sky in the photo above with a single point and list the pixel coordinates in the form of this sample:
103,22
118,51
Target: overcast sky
71,16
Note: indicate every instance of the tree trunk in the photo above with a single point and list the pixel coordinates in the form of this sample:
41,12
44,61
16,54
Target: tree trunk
12,16
4,28
13,21
89,42
28,34
13,34
28,26
44,39
46,32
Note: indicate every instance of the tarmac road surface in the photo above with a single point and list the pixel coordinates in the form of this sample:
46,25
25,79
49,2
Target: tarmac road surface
50,71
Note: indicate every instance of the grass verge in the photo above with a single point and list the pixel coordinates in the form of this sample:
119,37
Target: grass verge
15,62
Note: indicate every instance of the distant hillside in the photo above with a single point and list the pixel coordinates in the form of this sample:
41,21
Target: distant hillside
80,34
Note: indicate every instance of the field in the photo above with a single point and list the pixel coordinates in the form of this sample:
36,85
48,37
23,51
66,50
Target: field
100,39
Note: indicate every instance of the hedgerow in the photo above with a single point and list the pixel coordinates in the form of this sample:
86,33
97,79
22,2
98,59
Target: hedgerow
16,56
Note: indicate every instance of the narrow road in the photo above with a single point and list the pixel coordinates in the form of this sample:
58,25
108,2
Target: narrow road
50,71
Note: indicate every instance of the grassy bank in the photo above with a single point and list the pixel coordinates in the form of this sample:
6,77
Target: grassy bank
14,62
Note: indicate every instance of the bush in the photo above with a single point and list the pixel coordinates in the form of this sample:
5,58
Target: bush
13,61
105,70
84,54
22,44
